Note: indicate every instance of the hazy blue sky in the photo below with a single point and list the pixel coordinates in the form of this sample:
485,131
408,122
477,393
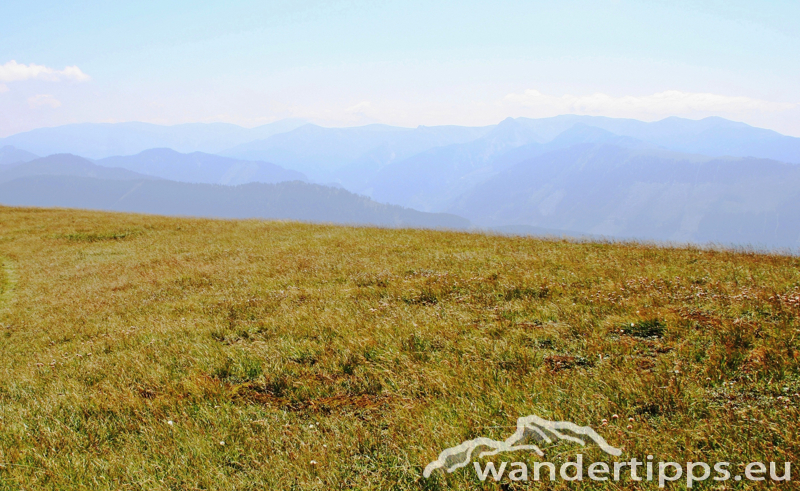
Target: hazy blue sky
397,62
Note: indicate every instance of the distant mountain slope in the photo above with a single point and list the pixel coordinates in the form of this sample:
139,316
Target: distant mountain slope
66,165
99,140
347,153
429,181
605,189
198,167
289,200
12,155
712,136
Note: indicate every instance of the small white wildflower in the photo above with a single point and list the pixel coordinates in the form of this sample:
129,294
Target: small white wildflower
170,422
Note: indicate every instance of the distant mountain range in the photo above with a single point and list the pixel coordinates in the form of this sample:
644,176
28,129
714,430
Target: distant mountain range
606,189
199,167
353,156
715,137
431,180
711,180
72,182
100,140
346,154
66,165
11,155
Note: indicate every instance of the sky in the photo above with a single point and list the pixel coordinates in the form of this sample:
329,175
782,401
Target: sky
406,63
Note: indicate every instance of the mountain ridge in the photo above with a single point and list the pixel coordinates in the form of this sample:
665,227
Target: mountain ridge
10,155
293,200
67,165
602,189
200,167
100,140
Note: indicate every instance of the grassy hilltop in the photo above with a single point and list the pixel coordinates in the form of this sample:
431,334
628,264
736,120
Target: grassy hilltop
142,352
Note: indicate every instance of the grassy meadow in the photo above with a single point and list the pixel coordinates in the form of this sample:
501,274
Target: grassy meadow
151,353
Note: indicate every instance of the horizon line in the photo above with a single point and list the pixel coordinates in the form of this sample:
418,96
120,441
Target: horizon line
310,121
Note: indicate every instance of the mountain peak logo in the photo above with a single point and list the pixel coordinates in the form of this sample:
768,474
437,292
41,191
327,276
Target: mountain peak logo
529,428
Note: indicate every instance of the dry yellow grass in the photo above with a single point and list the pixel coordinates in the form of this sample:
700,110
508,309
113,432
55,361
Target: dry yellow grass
145,352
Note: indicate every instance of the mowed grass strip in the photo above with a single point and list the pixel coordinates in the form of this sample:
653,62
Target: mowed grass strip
143,352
